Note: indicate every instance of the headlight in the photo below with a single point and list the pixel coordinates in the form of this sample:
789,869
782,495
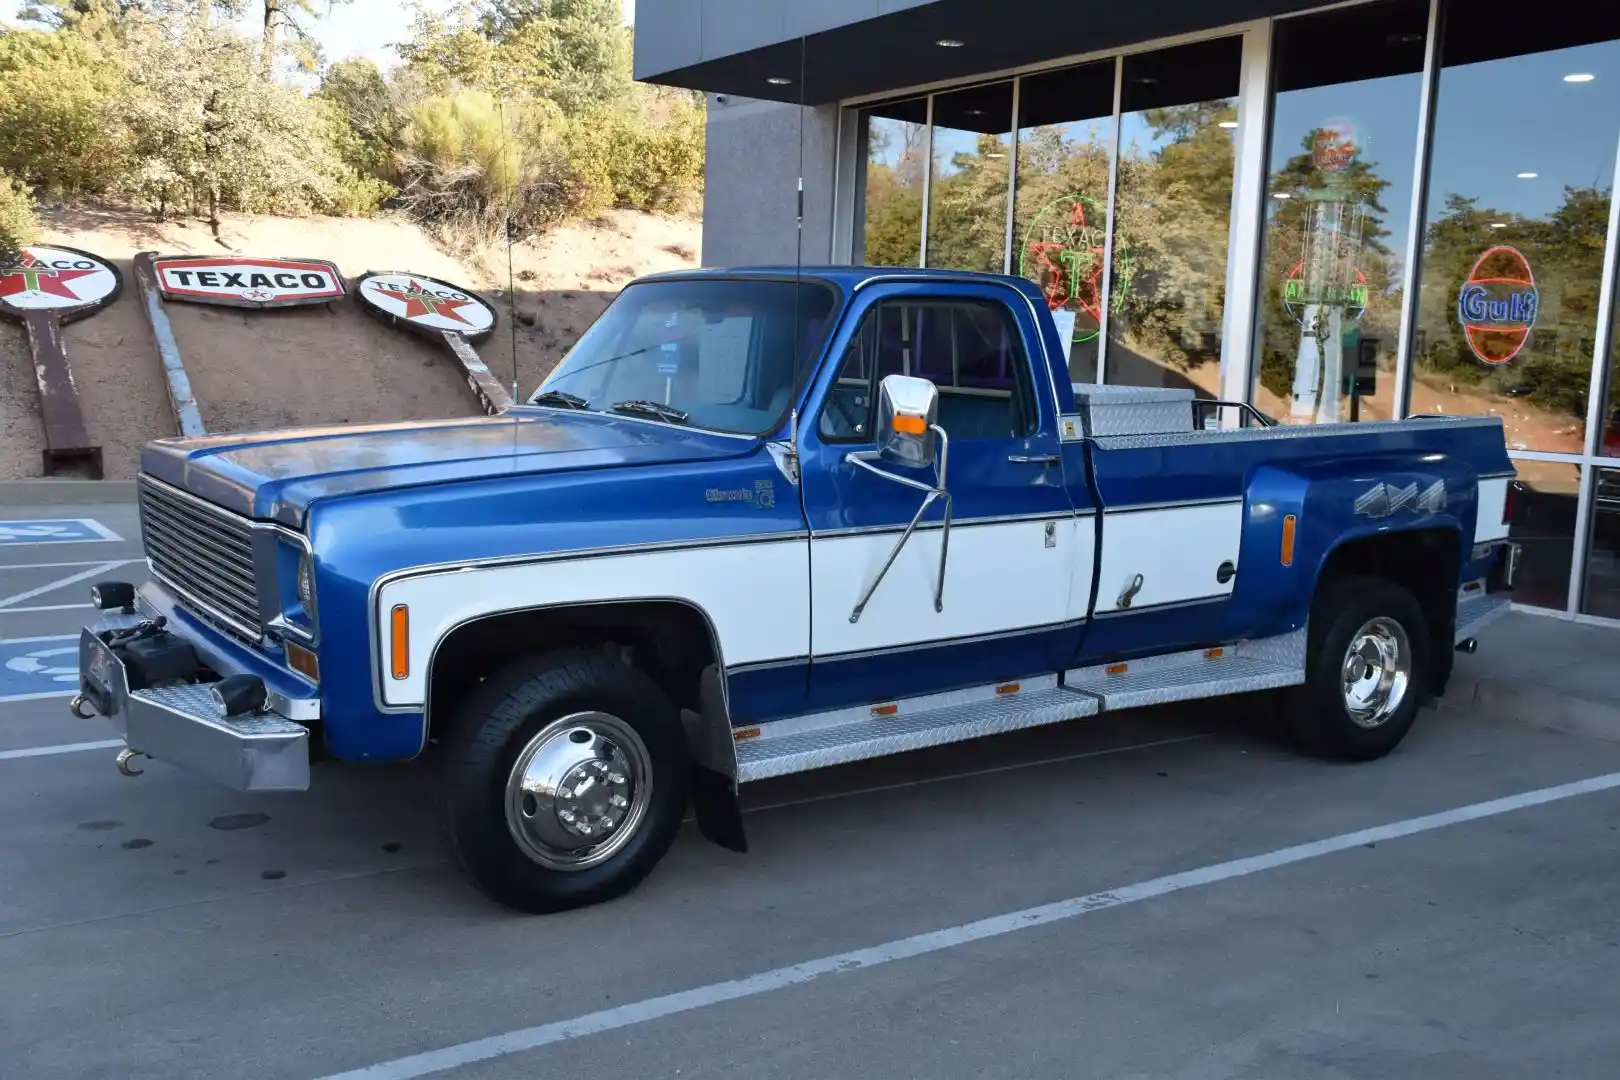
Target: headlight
306,584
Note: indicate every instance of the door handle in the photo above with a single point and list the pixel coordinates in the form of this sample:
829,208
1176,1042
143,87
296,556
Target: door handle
1034,459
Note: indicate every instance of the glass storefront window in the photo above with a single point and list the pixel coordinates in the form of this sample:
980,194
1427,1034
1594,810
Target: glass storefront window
1172,212
967,195
1521,173
896,136
1545,497
1601,596
1060,208
1338,210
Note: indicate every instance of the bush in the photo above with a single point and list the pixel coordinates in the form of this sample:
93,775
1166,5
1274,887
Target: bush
18,226
60,113
626,160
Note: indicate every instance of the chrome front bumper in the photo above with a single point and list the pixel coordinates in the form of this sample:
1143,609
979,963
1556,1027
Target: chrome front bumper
182,725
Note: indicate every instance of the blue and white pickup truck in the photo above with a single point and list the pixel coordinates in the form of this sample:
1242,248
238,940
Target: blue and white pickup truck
764,521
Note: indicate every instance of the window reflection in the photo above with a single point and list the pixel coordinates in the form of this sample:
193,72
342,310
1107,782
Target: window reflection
1173,207
1544,502
1060,208
1338,206
896,163
1518,205
967,195
1602,593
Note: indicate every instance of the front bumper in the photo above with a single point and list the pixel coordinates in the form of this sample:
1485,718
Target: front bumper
183,726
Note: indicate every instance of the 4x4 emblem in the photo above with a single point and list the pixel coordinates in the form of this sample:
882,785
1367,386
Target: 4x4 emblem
1382,500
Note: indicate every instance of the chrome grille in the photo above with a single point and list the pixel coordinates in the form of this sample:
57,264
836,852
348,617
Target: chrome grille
204,553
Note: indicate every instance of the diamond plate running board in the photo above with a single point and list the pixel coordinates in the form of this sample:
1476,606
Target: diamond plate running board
1475,615
836,738
1266,664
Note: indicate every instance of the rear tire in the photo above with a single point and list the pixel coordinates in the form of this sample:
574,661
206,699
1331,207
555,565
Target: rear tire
567,777
1366,671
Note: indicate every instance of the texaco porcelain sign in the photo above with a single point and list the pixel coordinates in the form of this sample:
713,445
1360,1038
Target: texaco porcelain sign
425,305
56,279
244,281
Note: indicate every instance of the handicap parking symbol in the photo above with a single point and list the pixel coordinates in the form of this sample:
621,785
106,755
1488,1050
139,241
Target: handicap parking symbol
38,667
53,531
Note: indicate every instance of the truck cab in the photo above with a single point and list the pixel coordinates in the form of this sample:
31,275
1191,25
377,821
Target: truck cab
764,521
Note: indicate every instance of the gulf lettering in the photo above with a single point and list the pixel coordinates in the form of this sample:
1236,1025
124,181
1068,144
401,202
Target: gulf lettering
1476,307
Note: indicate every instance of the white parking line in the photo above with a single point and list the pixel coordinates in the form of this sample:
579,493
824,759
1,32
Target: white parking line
64,748
94,571
641,1012
42,696
60,565
31,640
45,607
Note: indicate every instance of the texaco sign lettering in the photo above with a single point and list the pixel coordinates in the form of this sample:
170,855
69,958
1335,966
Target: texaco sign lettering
56,278
243,281
425,305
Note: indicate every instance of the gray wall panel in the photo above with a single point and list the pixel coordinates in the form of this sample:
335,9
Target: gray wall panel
812,18
750,182
734,26
669,35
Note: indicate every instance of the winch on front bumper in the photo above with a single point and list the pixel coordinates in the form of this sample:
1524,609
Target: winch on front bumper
165,696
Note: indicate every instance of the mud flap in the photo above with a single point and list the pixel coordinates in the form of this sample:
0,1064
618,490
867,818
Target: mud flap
719,818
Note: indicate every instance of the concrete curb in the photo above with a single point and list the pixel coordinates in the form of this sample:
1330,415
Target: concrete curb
64,492
1536,705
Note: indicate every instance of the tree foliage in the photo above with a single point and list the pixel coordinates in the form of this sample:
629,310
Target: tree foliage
18,225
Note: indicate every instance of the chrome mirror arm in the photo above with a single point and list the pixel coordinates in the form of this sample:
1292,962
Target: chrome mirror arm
863,459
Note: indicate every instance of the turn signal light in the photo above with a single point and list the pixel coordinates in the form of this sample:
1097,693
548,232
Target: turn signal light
910,425
400,641
303,661
1289,523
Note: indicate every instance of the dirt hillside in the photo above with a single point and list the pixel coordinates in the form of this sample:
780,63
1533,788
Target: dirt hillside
253,370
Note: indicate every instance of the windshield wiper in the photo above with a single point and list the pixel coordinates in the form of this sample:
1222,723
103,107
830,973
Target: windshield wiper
652,408
560,397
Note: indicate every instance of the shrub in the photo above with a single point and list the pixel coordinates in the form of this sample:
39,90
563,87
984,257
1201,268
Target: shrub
18,226
60,126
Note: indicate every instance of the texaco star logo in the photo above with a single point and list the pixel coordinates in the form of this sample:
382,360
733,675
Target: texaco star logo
31,275
419,302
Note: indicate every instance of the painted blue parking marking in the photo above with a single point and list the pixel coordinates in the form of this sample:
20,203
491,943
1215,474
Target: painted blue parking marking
41,667
54,531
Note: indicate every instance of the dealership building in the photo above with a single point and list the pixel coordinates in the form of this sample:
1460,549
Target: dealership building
1357,211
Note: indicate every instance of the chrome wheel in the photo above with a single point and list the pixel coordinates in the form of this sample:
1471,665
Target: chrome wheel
578,791
1377,671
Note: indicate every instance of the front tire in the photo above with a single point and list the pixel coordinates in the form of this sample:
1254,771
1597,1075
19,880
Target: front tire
567,779
1366,670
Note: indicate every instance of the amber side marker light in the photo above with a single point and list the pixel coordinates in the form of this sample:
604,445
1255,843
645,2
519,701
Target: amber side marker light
910,425
400,641
303,661
1289,523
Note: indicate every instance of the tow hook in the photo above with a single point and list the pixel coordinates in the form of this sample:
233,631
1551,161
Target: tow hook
126,756
81,708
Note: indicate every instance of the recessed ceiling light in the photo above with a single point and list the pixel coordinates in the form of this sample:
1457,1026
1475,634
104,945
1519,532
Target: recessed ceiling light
1145,80
1579,76
975,112
1528,175
1408,38
777,80
1281,195
1227,124
948,43
1498,224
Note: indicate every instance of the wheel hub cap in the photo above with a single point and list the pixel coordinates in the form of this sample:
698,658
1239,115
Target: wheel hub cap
1377,671
578,791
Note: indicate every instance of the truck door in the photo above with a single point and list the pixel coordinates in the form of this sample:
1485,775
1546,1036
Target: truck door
1015,541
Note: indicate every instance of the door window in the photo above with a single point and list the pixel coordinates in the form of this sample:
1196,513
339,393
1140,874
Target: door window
970,349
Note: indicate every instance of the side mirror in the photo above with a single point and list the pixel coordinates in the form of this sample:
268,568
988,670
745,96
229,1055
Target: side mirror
907,411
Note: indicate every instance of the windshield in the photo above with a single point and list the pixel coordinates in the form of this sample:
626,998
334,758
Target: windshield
717,353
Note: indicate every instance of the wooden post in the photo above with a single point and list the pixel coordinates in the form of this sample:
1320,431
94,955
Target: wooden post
491,394
67,441
187,417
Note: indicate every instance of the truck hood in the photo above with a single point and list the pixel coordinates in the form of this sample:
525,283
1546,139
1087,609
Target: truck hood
278,475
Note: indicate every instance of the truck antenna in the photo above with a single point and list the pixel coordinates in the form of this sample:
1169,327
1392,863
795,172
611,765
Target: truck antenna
799,362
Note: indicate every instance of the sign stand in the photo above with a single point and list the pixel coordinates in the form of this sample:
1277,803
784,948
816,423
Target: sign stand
442,312
47,289
187,417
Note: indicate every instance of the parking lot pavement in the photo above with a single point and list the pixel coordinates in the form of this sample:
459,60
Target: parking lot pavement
164,928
